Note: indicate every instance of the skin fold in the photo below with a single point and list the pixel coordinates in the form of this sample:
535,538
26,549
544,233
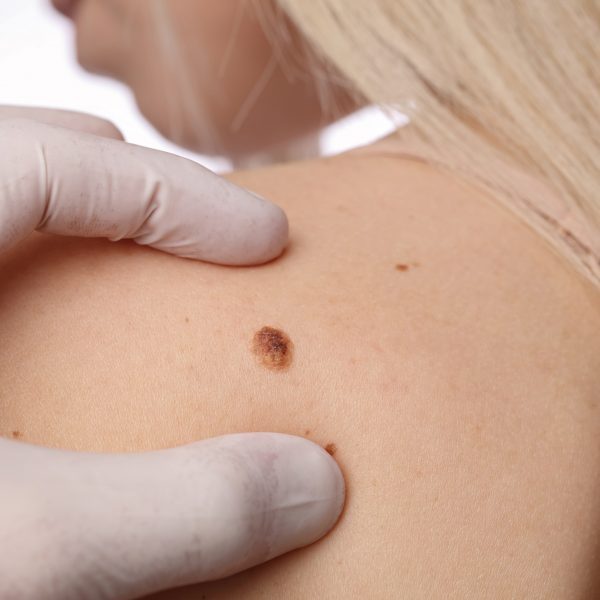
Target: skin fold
445,355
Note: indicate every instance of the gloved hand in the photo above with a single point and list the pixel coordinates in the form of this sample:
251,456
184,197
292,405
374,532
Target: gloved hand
80,178
79,525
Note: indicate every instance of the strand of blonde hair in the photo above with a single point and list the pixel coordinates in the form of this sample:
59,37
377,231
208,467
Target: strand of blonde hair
485,84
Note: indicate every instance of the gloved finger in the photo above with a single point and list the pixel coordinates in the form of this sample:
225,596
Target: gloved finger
63,118
122,526
71,183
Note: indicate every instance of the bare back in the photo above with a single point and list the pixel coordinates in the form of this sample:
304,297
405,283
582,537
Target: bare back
434,344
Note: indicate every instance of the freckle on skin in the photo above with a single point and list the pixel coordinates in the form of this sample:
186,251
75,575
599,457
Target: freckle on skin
16,434
405,267
331,449
273,348
187,319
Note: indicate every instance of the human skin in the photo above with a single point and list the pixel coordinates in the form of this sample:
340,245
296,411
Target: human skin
440,349
205,73
95,516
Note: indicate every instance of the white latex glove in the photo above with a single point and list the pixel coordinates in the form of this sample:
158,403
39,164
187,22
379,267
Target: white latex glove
75,182
78,525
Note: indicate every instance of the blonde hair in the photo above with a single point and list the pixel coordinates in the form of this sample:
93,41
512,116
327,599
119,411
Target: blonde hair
486,84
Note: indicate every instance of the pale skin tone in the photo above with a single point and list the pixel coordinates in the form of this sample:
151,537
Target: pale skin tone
122,525
449,356
461,394
209,79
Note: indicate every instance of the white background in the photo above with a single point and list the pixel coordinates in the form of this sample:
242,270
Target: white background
38,67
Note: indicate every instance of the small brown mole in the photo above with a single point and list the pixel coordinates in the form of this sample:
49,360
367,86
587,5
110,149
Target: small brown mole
16,434
273,348
405,267
331,449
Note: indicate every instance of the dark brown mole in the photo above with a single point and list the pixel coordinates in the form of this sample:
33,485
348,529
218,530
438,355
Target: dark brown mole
273,348
331,449
16,434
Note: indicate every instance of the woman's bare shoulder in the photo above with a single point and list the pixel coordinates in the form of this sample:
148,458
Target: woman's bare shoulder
396,204
470,355
437,347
